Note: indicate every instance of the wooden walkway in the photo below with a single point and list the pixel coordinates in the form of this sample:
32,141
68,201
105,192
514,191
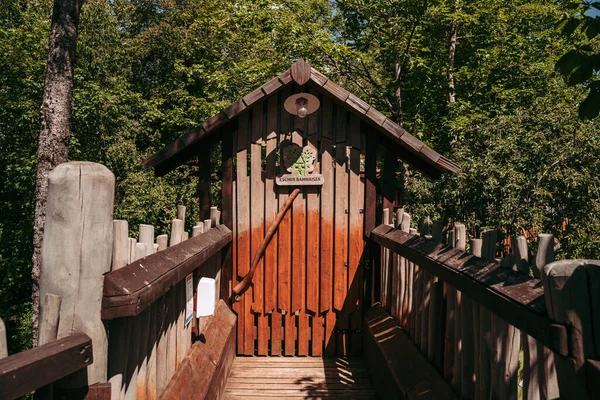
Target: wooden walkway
299,378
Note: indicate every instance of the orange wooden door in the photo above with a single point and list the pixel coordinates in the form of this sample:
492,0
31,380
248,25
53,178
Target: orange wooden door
306,295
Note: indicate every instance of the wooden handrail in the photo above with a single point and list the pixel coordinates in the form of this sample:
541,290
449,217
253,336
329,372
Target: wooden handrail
241,287
129,290
29,370
512,295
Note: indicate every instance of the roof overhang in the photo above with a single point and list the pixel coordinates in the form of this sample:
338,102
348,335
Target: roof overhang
411,149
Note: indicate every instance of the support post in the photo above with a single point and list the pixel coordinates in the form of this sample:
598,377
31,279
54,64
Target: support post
76,253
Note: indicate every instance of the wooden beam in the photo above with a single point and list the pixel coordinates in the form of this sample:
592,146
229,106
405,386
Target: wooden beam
513,296
129,290
397,367
24,372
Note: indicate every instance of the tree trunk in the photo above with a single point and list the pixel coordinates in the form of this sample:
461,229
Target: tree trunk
55,129
451,54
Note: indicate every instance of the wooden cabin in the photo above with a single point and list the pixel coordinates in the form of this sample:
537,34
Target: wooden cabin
323,289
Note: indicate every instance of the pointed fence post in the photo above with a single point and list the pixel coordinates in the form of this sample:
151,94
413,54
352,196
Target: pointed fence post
76,253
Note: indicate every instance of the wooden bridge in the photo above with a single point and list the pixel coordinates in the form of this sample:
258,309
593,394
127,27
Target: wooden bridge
322,290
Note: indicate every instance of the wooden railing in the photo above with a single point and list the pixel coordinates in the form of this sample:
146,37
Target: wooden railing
475,317
127,296
145,302
24,372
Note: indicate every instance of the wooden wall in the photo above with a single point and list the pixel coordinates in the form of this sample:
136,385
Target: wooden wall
306,296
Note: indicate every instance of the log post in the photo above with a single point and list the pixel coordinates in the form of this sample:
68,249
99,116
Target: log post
76,253
3,344
569,295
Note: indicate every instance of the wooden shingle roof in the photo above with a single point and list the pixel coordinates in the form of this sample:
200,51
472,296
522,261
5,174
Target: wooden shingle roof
412,150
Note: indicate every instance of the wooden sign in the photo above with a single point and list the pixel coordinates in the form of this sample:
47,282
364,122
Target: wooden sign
300,161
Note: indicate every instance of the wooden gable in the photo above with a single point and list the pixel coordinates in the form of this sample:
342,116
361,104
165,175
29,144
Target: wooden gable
408,147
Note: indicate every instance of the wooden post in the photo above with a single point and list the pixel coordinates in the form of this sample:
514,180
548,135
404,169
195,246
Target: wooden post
119,329
197,230
539,373
569,301
76,253
181,215
215,216
176,232
51,306
545,253
488,245
522,254
208,225
3,345
120,253
204,196
146,236
162,241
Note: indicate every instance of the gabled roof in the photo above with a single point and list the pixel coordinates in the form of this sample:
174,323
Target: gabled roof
411,149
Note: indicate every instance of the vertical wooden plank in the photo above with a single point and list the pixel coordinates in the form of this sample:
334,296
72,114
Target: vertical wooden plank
407,275
276,333
468,340
327,216
227,277
151,393
488,245
290,334
271,210
263,335
299,252
356,243
181,331
243,227
505,350
330,323
257,220
257,201
172,334
318,326
388,189
298,233
426,296
303,333
117,354
162,329
435,341
313,225
284,252
418,304
340,274
143,356
449,354
370,212
237,306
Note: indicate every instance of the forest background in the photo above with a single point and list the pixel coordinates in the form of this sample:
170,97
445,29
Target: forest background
476,80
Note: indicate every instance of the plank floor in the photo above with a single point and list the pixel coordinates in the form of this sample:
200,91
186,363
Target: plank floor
299,378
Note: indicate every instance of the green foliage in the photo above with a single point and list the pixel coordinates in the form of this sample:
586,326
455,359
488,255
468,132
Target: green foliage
148,70
581,65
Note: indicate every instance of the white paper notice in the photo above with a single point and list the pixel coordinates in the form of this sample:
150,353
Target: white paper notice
189,298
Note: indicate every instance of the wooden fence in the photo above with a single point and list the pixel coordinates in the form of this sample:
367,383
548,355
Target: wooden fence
127,296
489,328
145,302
